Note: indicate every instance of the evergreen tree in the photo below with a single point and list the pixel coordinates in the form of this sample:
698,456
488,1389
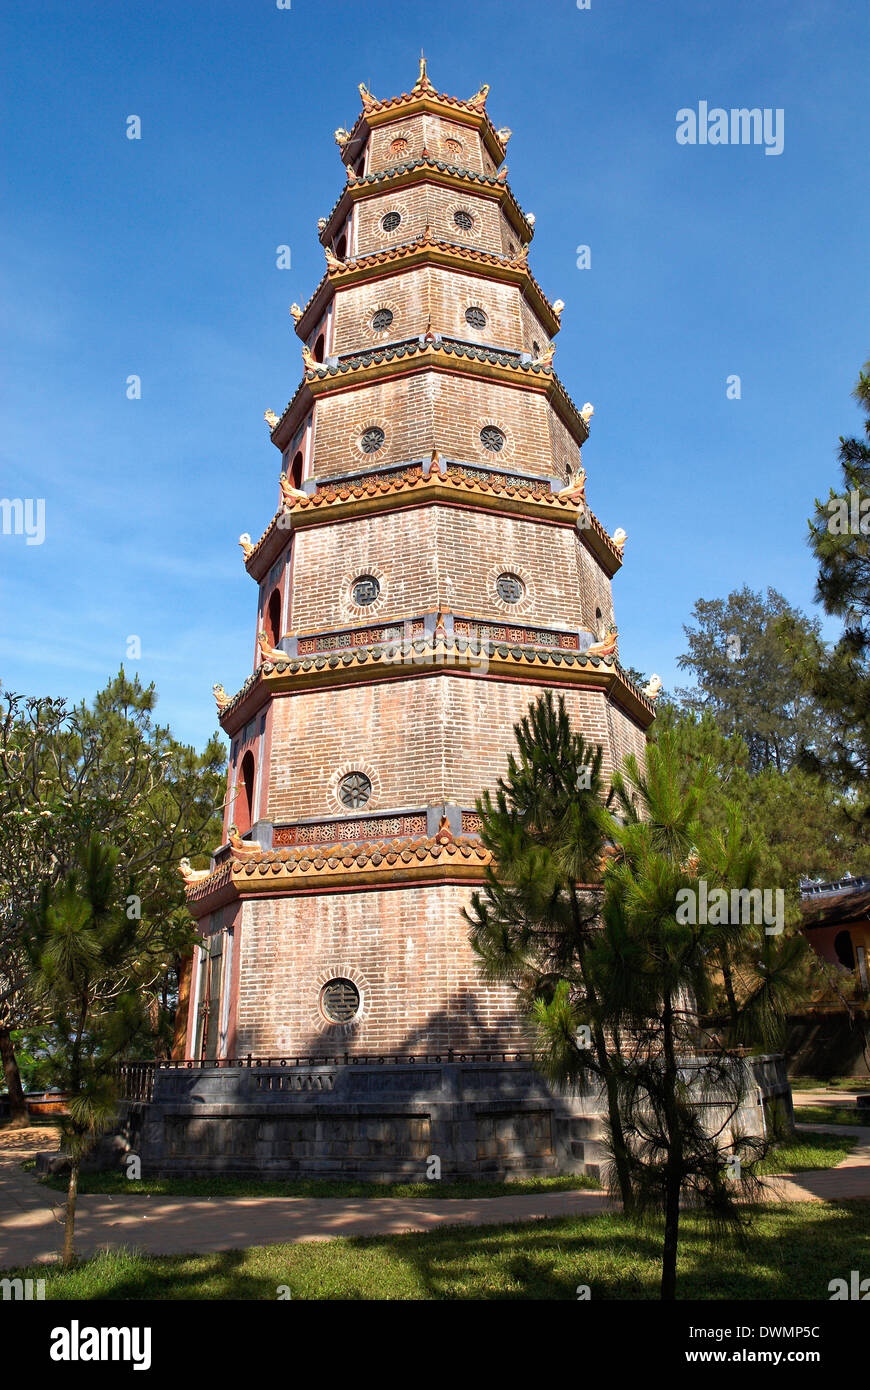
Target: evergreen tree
680,1091
535,921
746,679
107,769
89,972
838,676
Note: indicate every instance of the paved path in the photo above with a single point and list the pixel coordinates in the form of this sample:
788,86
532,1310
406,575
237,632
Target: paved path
31,1216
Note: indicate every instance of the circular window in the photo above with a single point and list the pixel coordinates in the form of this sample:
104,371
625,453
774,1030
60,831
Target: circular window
463,220
399,146
492,439
354,790
339,1000
372,439
475,316
365,590
390,221
510,588
453,146
381,319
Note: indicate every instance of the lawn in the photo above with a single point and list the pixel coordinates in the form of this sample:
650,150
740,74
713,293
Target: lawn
791,1252
828,1115
807,1151
835,1083
115,1183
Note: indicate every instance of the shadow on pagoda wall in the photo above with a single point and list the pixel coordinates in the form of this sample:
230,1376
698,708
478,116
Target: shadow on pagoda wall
464,1024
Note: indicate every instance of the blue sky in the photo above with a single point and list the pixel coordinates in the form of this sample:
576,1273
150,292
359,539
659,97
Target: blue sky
157,257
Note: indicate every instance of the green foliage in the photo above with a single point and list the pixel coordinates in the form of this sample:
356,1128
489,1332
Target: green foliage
88,972
746,678
109,769
837,676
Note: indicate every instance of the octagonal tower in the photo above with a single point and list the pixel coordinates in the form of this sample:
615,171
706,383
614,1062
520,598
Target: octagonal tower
433,567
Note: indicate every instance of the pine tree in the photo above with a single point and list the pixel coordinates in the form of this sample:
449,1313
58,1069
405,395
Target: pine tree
838,676
535,921
87,970
654,962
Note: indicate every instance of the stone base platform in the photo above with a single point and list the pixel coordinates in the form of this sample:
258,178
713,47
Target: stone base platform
376,1121
379,1119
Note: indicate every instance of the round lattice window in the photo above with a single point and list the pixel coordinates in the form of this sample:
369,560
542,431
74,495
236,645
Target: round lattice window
339,1000
390,221
510,588
492,439
464,220
453,147
365,590
399,146
372,439
354,790
381,319
476,317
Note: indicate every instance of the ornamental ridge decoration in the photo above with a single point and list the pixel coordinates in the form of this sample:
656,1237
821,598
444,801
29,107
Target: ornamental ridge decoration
340,832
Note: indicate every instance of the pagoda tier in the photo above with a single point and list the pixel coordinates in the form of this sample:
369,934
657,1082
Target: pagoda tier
432,568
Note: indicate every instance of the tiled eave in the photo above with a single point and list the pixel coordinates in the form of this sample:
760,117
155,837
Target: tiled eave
377,113
425,250
351,866
836,909
373,495
426,171
453,657
380,364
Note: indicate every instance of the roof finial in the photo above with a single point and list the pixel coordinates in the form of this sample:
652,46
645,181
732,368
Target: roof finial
423,79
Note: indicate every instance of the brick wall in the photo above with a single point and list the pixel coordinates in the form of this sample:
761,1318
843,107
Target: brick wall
432,132
406,951
432,293
422,740
434,409
435,555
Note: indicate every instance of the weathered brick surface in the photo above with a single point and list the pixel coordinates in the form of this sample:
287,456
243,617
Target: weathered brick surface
425,736
433,133
408,952
423,204
435,555
428,409
432,295
422,739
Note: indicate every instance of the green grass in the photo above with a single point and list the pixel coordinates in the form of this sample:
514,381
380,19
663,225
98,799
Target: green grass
806,1152
828,1115
835,1083
791,1252
115,1183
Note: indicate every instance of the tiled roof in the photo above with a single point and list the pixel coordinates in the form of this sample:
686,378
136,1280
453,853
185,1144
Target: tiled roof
396,171
455,251
448,656
312,867
404,484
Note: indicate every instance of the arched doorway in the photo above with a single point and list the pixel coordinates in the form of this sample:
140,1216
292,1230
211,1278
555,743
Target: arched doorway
844,949
272,618
245,798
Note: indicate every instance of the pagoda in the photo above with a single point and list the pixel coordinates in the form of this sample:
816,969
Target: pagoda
433,566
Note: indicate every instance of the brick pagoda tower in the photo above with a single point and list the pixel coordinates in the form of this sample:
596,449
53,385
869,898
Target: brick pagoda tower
432,568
